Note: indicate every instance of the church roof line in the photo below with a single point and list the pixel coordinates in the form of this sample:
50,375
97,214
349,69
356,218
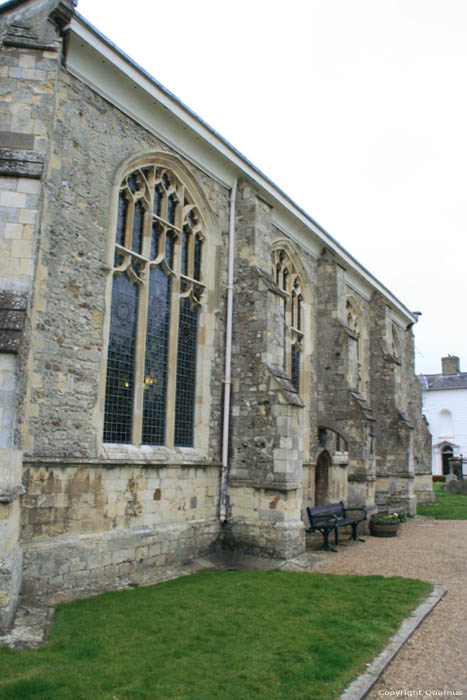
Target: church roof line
92,57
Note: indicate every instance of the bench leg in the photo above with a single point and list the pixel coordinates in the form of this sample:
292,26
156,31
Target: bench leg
355,535
336,538
326,546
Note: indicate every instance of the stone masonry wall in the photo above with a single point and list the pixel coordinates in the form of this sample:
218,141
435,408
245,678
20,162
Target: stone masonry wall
73,515
29,63
98,513
267,412
91,140
108,521
339,407
90,509
394,436
422,452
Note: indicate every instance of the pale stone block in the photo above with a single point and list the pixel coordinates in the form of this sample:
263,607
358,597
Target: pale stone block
7,270
13,231
26,61
26,73
39,128
12,199
8,183
28,216
28,185
22,249
22,125
28,232
36,380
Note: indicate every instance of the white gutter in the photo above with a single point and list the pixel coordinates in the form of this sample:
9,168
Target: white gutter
228,359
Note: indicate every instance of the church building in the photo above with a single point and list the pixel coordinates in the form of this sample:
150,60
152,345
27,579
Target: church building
184,351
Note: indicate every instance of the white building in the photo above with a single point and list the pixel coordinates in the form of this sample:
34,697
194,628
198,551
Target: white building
445,409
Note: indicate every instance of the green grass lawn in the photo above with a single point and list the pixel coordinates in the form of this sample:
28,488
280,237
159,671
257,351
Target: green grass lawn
215,635
448,506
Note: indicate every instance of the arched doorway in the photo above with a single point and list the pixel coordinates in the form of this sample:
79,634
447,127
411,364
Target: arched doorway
446,454
322,478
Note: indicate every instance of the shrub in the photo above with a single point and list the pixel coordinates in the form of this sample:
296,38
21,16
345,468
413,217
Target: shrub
438,478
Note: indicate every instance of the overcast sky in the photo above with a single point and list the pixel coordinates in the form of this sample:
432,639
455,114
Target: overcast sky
356,108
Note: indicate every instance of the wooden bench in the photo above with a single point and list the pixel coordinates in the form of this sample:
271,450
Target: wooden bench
331,517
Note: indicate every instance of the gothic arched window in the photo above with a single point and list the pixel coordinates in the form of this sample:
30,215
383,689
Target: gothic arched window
156,300
354,346
287,279
396,353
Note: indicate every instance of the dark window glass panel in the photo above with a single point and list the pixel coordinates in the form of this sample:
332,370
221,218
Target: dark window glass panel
138,222
165,181
155,240
292,307
118,260
197,261
299,313
156,358
278,274
170,248
295,378
171,206
121,219
192,219
185,239
137,266
118,411
132,183
341,444
186,374
284,280
157,201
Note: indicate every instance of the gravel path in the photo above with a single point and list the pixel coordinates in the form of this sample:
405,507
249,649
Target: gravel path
433,663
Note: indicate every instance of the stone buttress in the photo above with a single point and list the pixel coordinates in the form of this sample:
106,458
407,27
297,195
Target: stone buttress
267,412
390,402
344,414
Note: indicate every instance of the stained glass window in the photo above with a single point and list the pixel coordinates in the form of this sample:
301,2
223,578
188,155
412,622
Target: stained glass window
121,361
295,366
157,297
186,373
156,358
288,280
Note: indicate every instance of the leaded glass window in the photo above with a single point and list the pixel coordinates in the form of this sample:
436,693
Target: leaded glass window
354,347
157,296
287,278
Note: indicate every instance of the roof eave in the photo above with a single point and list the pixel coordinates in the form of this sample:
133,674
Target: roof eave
90,34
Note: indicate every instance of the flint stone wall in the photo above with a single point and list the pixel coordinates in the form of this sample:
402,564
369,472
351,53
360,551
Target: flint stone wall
91,141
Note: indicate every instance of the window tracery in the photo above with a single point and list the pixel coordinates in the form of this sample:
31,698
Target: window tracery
355,350
157,294
396,352
288,280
